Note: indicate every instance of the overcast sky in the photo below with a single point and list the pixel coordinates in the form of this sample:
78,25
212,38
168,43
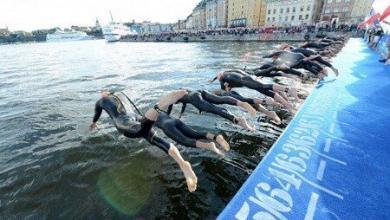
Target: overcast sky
35,14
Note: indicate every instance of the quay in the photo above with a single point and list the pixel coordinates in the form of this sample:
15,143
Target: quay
331,162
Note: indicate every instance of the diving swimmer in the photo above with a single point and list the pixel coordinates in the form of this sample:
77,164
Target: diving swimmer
237,78
133,125
204,101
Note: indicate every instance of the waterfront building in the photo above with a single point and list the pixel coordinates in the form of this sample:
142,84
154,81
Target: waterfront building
246,13
4,31
222,13
336,12
155,28
211,14
256,13
238,13
360,10
293,13
199,16
189,23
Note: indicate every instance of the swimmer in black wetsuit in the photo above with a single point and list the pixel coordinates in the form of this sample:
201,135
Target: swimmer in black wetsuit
314,55
297,61
135,126
273,70
255,102
237,78
206,102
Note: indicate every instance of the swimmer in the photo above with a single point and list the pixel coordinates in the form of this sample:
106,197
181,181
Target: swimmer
237,78
205,102
257,103
133,125
297,61
314,55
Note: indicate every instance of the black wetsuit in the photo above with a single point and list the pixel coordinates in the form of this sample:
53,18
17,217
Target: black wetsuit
178,131
237,96
130,125
235,79
316,45
296,61
308,52
204,102
270,70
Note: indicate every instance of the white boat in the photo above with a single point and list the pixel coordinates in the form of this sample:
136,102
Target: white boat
67,36
114,31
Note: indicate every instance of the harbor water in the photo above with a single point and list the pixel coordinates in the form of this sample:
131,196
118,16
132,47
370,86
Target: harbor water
52,167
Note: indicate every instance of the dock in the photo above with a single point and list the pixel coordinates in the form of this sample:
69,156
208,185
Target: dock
333,160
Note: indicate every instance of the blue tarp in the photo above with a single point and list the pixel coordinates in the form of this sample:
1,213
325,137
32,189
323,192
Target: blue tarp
332,161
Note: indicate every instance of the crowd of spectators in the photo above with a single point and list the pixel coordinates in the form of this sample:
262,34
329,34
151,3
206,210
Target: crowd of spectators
202,34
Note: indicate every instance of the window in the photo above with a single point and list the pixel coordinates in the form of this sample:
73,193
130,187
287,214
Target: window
274,11
308,8
273,19
281,10
301,8
306,17
300,17
286,18
292,18
268,19
288,10
293,9
269,11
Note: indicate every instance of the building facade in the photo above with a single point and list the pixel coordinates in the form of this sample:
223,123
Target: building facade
256,13
222,13
293,13
211,14
337,12
238,13
360,10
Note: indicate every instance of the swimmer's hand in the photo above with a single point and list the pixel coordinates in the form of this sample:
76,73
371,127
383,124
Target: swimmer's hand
93,126
282,66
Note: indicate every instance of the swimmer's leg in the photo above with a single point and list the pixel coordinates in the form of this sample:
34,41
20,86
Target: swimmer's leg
219,100
172,151
164,103
189,132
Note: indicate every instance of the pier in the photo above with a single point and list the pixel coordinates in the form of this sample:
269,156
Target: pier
331,162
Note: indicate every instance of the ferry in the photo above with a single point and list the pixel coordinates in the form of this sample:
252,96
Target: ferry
114,31
67,36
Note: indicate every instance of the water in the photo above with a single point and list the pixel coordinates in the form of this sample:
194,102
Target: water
51,167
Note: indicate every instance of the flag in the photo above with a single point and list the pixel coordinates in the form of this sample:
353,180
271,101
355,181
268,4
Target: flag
385,13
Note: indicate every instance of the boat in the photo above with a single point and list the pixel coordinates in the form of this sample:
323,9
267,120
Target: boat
59,35
114,31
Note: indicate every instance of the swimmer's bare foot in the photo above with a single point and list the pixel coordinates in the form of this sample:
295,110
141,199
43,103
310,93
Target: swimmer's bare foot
336,71
170,99
243,123
293,92
221,141
209,146
305,76
274,117
190,176
271,101
247,107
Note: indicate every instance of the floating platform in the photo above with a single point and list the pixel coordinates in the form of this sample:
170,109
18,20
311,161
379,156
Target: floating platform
333,160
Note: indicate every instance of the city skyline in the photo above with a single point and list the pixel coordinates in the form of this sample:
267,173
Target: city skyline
42,14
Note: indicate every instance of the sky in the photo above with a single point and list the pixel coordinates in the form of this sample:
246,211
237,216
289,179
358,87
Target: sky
30,15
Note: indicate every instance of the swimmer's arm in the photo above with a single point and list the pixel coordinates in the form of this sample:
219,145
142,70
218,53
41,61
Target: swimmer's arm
169,111
98,113
183,108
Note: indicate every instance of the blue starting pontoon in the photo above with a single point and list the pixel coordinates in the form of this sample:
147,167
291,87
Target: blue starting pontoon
333,160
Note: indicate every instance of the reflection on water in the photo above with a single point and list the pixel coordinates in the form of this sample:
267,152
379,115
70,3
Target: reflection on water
52,167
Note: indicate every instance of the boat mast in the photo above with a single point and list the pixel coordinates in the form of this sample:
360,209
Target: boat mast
112,19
